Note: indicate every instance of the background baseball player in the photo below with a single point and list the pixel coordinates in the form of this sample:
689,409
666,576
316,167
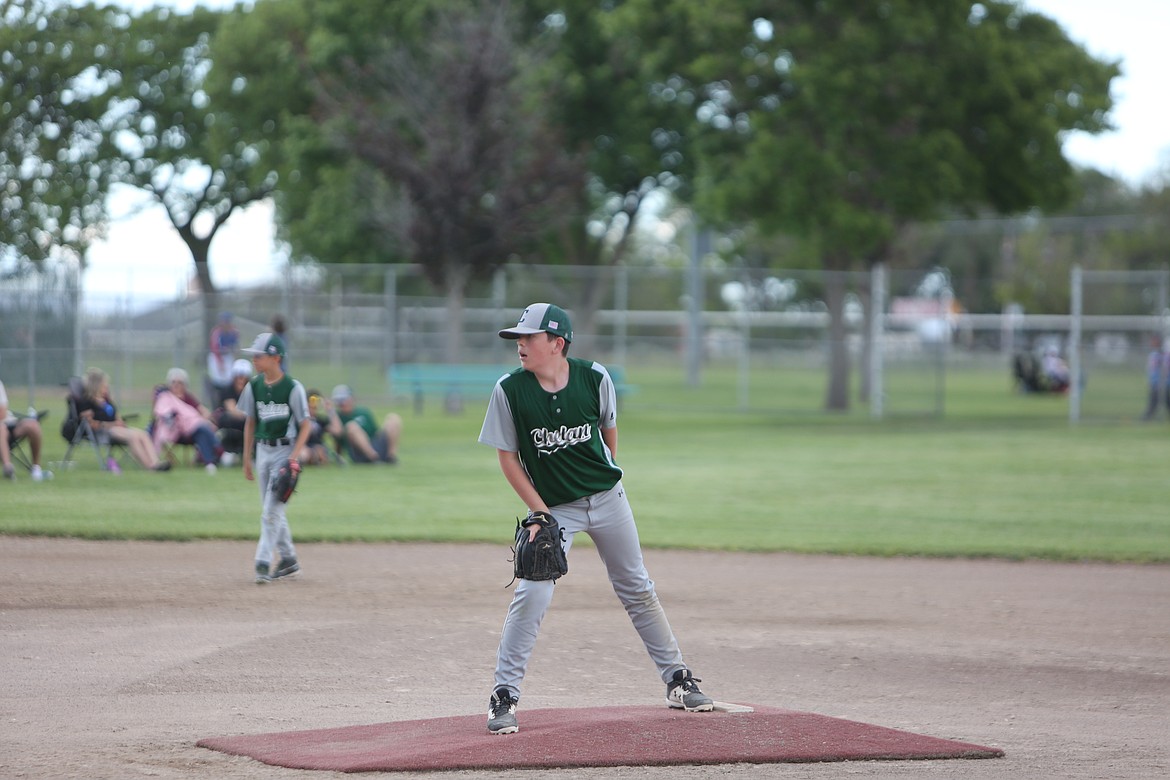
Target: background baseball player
553,422
278,424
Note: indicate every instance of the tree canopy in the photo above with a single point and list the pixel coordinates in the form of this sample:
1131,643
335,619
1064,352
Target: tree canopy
842,123
176,141
54,145
460,135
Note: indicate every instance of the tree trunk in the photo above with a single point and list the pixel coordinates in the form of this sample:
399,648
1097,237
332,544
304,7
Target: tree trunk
837,392
882,255
200,249
456,284
863,377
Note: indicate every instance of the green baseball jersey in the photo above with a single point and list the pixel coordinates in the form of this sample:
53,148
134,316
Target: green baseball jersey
278,408
558,435
364,418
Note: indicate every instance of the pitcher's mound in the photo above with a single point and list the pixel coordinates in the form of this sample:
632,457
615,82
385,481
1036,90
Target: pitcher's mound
597,736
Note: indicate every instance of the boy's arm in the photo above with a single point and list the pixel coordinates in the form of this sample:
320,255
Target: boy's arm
610,437
518,478
249,443
304,428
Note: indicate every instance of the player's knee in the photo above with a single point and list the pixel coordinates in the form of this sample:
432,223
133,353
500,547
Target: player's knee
639,597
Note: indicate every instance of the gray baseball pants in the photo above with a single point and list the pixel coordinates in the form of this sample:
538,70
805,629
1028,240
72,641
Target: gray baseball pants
608,520
274,531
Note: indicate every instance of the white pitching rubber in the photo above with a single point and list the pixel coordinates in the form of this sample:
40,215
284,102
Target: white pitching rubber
723,706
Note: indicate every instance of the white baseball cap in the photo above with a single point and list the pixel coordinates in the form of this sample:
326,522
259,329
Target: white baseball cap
541,318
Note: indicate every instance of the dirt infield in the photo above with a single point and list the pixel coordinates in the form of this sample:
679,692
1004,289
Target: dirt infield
117,657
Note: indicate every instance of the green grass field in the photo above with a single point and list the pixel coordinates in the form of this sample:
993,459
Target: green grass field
999,475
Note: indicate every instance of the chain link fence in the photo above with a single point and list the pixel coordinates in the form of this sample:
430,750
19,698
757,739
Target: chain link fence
699,336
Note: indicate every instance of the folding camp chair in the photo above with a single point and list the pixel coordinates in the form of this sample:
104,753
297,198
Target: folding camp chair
79,430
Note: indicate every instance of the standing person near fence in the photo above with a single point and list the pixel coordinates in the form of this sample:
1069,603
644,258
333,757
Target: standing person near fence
1157,377
553,422
277,429
222,346
279,328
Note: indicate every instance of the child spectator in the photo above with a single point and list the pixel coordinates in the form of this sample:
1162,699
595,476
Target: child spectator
228,417
365,440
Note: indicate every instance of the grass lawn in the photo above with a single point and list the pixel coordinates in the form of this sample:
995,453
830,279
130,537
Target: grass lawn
999,475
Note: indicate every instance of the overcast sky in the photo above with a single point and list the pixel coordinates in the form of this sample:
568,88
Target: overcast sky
144,257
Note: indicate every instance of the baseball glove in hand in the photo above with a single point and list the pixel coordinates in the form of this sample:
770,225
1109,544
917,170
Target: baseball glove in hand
542,558
286,480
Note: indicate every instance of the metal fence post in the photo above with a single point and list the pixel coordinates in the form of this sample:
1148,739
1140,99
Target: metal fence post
621,296
700,247
1074,344
391,295
877,326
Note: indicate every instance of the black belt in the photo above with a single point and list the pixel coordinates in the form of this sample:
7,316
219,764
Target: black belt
276,442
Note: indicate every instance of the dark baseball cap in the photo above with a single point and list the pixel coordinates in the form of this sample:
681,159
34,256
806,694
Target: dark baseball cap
541,318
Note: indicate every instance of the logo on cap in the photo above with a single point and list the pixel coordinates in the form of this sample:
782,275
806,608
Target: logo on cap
541,318
266,344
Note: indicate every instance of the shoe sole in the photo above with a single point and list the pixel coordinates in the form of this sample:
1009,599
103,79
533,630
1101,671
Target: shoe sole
505,730
685,708
263,580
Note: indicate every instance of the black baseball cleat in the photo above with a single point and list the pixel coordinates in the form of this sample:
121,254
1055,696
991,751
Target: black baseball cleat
682,693
262,575
502,713
286,567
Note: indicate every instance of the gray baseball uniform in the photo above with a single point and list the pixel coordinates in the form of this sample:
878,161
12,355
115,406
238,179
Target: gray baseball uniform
558,438
279,410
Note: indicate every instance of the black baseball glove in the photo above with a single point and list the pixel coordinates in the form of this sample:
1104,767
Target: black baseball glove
542,558
286,480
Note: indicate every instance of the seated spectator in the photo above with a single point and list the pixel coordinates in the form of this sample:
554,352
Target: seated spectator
177,419
179,383
228,417
1056,372
13,428
316,451
103,416
365,441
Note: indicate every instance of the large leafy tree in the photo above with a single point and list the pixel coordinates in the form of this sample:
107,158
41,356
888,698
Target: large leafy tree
842,123
452,120
93,97
578,84
414,131
266,66
197,159
629,126
54,71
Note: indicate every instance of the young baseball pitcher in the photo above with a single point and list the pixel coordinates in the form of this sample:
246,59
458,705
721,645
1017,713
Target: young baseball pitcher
553,422
277,428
